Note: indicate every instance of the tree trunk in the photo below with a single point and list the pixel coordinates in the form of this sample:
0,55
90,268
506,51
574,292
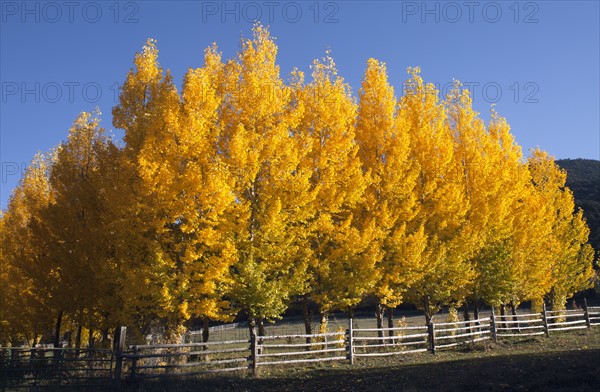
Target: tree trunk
205,332
105,342
467,316
427,311
307,315
379,314
78,338
261,331
252,327
476,312
205,329
390,319
90,338
56,335
513,310
428,318
502,315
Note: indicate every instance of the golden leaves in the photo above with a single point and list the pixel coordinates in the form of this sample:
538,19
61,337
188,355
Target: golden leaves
240,192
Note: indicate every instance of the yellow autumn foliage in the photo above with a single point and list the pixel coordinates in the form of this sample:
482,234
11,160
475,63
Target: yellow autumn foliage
239,193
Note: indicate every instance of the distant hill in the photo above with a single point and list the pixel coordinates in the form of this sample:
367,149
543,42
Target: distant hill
583,178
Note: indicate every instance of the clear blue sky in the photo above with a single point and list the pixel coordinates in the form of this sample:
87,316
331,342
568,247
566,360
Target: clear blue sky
537,60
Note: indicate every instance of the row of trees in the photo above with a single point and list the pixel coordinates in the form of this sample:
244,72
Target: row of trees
244,193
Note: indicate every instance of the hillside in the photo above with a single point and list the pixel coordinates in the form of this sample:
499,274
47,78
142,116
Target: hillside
583,178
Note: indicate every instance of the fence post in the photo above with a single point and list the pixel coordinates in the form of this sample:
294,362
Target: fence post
431,332
494,330
120,347
545,318
134,362
12,361
350,343
254,351
587,313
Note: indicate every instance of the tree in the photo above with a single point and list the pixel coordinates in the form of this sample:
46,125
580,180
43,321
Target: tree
243,193
187,191
509,180
271,190
71,226
201,192
493,178
341,265
389,201
144,227
441,202
570,255
27,310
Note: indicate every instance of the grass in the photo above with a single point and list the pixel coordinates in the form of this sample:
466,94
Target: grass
567,361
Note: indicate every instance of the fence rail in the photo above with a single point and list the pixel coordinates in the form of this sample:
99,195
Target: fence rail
39,366
400,341
169,360
28,367
283,349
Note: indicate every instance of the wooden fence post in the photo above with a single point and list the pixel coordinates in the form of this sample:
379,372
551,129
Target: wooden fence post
545,318
32,356
431,332
134,362
12,361
586,313
254,351
120,347
350,343
494,330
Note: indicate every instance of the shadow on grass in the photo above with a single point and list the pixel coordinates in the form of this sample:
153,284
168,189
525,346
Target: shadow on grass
553,371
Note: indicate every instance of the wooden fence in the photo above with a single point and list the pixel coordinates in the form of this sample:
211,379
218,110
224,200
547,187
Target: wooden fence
40,366
22,367
521,325
281,350
445,335
164,360
286,349
400,340
548,321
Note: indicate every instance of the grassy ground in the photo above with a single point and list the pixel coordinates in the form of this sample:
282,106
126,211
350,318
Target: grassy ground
567,361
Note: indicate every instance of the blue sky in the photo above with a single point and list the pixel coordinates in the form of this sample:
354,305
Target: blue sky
538,61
